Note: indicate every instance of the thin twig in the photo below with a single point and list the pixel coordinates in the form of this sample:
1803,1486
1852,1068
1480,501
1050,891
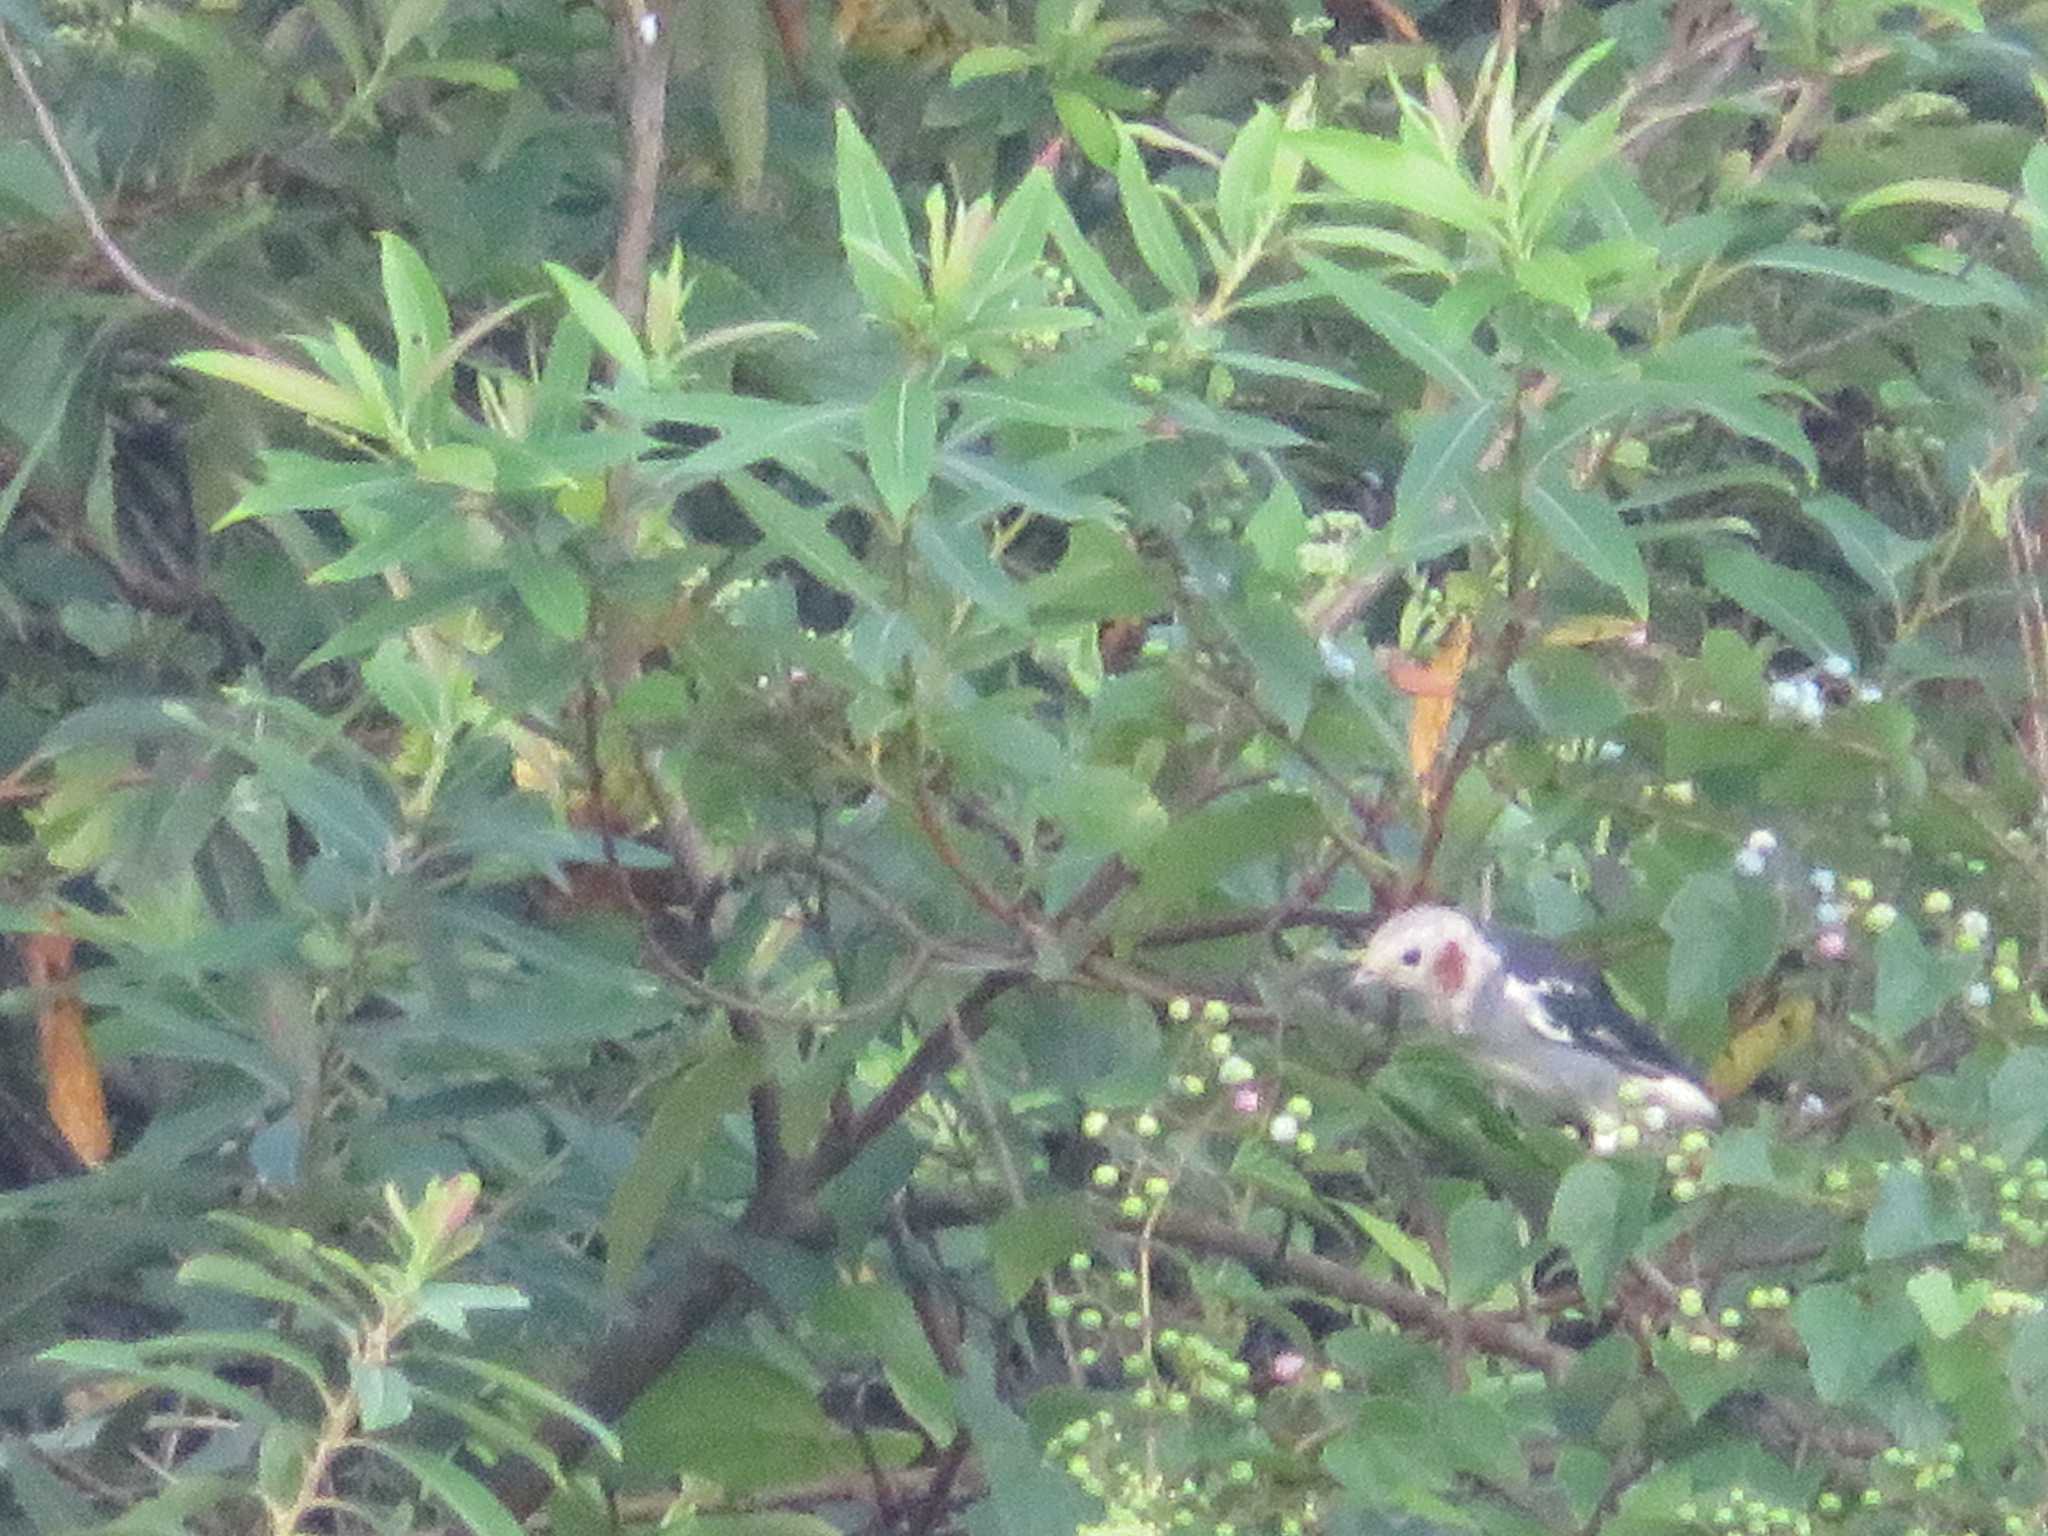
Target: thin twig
103,240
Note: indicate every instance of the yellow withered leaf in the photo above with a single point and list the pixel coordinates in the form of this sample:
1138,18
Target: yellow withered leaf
1782,1023
1592,629
1433,685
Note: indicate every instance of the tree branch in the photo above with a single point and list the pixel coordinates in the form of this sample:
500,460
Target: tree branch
102,239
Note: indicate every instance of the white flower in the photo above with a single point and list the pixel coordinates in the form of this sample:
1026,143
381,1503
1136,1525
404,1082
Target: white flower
1763,840
1823,881
1749,861
1975,924
1283,1128
1979,995
1837,666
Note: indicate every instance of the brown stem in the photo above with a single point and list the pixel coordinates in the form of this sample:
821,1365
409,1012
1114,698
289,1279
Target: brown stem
640,33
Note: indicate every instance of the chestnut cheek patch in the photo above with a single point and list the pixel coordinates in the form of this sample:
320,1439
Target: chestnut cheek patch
1447,969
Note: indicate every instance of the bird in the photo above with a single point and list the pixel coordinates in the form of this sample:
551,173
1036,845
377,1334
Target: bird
1534,1021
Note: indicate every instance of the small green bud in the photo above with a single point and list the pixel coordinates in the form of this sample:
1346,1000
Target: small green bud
1299,1106
1216,1012
1333,1381
1094,1123
1145,1399
1194,1086
1131,1207
1726,1350
1305,1143
1691,1303
1682,793
1880,916
1059,1306
1177,1403
1685,1190
1220,1043
1937,903
1146,1124
1106,1175
1836,1180
1089,1318
1859,889
1235,1070
1180,1010
1088,1354
1830,1503
1081,1263
1692,1143
1731,1317
2005,978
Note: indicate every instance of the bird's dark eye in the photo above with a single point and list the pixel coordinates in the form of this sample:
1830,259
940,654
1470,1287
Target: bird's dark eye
1411,957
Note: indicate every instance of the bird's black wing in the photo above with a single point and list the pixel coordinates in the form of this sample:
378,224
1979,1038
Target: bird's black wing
1578,1001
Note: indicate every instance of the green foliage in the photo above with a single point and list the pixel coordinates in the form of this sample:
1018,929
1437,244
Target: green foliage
804,809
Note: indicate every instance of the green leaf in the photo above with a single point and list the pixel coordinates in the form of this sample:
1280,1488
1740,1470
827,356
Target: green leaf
1379,171
1028,1241
383,1395
902,435
462,1494
1848,1342
1093,128
873,229
526,1388
737,44
882,1322
1791,602
1410,1253
1908,1218
1567,693
1412,330
601,320
685,1116
1586,1217
1152,228
1178,867
1946,1310
1869,272
1724,935
225,1272
802,534
730,1416
296,388
405,688
1285,663
1589,532
1434,511
985,63
419,319
2019,1101
1881,557
551,588
1028,1496
1245,184
1485,1249
1913,981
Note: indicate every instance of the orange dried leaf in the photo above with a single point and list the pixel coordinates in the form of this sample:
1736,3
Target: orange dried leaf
73,1092
1434,687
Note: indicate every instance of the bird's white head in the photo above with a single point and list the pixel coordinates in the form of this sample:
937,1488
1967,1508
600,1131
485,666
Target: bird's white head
1437,952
